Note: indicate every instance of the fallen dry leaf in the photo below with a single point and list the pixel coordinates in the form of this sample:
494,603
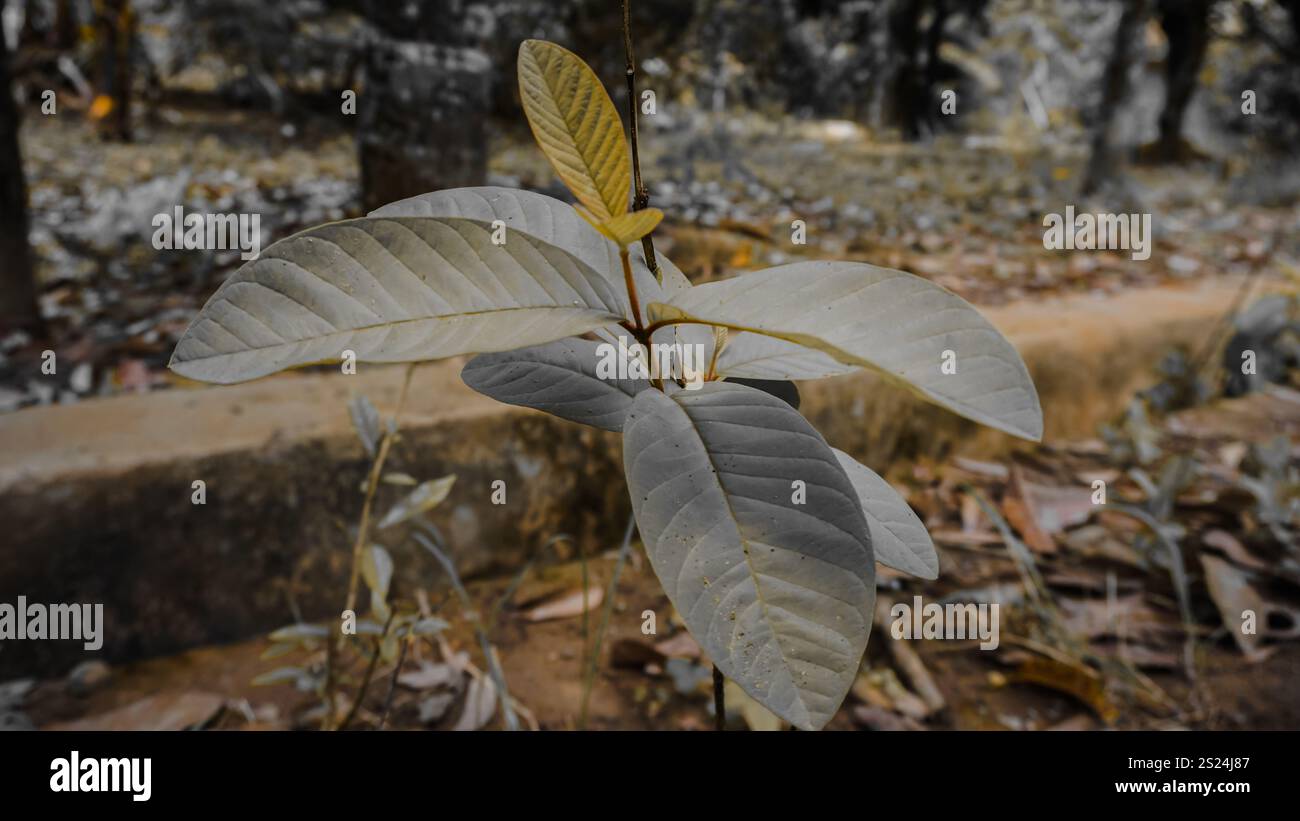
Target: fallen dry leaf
164,711
566,606
1234,596
1082,683
480,705
880,719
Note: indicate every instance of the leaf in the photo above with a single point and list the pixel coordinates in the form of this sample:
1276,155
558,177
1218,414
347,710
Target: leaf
429,626
480,705
426,496
755,356
561,378
377,570
280,675
430,675
778,594
895,323
551,221
365,418
391,290
567,606
576,125
300,632
631,227
898,537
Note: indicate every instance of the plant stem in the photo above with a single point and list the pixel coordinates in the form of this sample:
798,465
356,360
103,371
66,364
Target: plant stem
589,679
331,653
630,282
719,701
586,619
641,197
372,483
370,673
363,531
392,682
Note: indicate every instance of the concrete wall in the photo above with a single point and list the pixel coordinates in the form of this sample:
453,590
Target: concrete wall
95,497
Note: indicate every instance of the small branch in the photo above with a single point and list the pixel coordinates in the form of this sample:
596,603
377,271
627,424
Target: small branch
586,618
664,323
370,673
331,655
372,483
719,700
630,281
363,531
392,682
641,197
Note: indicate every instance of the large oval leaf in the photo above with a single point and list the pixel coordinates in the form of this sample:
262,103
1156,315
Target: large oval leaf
898,537
890,321
779,594
551,221
391,290
537,215
577,126
755,356
563,378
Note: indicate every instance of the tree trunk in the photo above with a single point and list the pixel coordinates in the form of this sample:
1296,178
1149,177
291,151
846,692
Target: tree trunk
903,104
1187,27
422,113
1114,90
17,273
116,22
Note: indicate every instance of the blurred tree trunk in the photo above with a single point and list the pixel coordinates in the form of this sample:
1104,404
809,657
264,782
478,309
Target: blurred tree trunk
1187,28
63,34
903,101
1114,89
115,21
422,114
17,273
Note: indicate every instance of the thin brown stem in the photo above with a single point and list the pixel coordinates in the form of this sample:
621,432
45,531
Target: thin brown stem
630,282
664,323
331,655
397,671
641,197
586,619
363,531
369,674
372,484
719,700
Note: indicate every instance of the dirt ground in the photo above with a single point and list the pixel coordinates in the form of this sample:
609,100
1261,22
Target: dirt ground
1097,642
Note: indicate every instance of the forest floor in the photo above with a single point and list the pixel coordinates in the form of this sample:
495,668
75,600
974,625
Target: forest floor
964,212
1091,631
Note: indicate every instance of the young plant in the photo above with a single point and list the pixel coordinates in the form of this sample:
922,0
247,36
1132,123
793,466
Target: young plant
764,537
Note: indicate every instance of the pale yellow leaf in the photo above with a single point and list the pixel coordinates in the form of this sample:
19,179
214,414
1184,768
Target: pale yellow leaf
577,126
630,227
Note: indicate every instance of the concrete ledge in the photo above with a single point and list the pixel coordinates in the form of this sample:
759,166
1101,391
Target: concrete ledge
95,497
